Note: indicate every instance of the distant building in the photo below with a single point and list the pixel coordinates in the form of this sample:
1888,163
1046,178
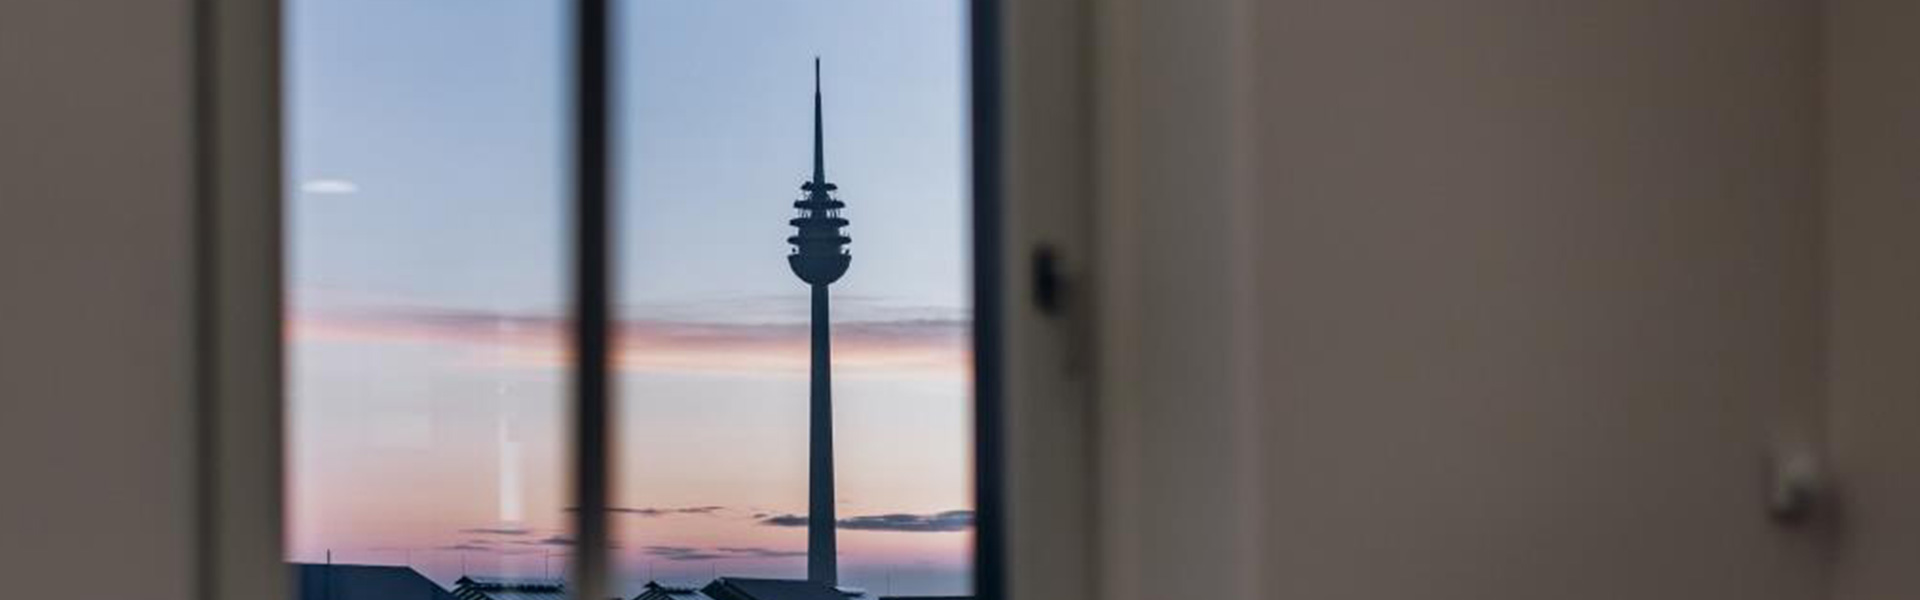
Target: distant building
747,588
364,582
658,591
480,587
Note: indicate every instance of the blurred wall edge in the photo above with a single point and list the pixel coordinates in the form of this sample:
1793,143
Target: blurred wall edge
97,419
1873,242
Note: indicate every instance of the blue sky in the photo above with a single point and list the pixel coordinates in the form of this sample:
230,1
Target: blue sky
427,187
451,116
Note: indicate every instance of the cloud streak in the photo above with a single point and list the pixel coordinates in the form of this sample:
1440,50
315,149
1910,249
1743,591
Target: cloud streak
666,512
941,522
505,531
758,552
682,553
899,342
785,520
690,553
329,186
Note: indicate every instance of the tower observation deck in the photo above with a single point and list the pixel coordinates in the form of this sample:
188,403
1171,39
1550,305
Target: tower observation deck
819,254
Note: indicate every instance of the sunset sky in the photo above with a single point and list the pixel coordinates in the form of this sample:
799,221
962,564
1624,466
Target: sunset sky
427,237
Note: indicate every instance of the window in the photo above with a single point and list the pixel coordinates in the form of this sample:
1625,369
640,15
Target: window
718,185
430,247
427,285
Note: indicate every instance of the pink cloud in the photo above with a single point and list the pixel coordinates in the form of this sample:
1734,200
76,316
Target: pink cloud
929,344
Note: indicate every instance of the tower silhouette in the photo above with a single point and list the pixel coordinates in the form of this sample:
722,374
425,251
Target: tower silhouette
819,257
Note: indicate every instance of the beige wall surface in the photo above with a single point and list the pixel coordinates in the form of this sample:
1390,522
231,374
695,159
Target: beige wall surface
1044,365
1175,506
1873,232
1539,290
95,331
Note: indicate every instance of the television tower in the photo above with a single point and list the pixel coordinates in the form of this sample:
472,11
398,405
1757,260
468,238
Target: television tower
819,257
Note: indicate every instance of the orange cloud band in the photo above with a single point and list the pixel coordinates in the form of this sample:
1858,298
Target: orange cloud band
930,345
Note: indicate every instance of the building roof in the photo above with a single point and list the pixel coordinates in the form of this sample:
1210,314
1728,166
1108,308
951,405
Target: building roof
747,588
659,591
364,582
481,587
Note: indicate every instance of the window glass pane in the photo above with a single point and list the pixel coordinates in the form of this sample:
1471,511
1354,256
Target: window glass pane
426,289
716,110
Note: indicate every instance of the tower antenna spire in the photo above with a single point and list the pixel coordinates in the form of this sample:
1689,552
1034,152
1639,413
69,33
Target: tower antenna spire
819,146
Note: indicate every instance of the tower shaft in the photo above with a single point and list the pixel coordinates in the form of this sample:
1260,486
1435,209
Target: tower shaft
822,548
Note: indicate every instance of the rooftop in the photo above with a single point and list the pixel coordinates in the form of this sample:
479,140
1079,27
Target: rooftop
748,588
364,582
482,587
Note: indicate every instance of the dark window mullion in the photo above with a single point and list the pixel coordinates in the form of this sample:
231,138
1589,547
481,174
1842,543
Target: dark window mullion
593,299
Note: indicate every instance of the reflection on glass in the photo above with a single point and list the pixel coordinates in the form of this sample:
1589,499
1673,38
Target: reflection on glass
425,224
723,246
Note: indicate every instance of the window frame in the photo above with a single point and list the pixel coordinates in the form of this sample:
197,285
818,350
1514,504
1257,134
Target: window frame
238,372
238,314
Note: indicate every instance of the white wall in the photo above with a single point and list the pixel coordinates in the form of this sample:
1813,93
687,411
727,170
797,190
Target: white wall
1873,241
96,417
1538,290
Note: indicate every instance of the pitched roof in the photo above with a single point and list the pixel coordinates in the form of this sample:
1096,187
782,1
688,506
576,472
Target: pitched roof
658,591
364,582
746,588
481,587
